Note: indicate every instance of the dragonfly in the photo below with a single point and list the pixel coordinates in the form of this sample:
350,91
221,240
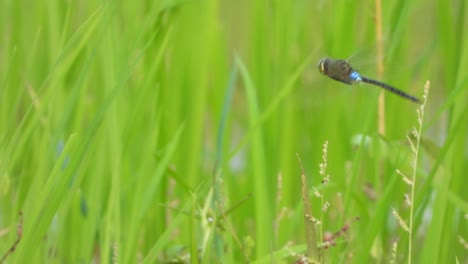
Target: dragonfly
341,70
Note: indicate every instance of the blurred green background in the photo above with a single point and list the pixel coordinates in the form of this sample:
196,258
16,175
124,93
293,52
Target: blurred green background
169,131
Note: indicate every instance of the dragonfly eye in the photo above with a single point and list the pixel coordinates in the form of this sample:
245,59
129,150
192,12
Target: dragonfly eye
321,65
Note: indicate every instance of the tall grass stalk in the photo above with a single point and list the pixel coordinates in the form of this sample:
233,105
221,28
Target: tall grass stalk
310,222
414,164
380,66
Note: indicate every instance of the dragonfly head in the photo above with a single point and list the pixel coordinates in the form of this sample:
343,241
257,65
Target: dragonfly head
323,65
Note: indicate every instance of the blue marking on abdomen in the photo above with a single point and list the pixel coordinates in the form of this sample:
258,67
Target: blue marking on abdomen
355,76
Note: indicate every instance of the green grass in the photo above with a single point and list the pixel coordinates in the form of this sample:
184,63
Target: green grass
171,130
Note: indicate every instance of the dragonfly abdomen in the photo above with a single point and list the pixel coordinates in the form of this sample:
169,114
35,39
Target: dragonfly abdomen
355,77
391,89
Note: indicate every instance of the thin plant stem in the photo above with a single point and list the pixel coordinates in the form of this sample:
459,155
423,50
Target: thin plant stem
380,65
310,230
415,150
